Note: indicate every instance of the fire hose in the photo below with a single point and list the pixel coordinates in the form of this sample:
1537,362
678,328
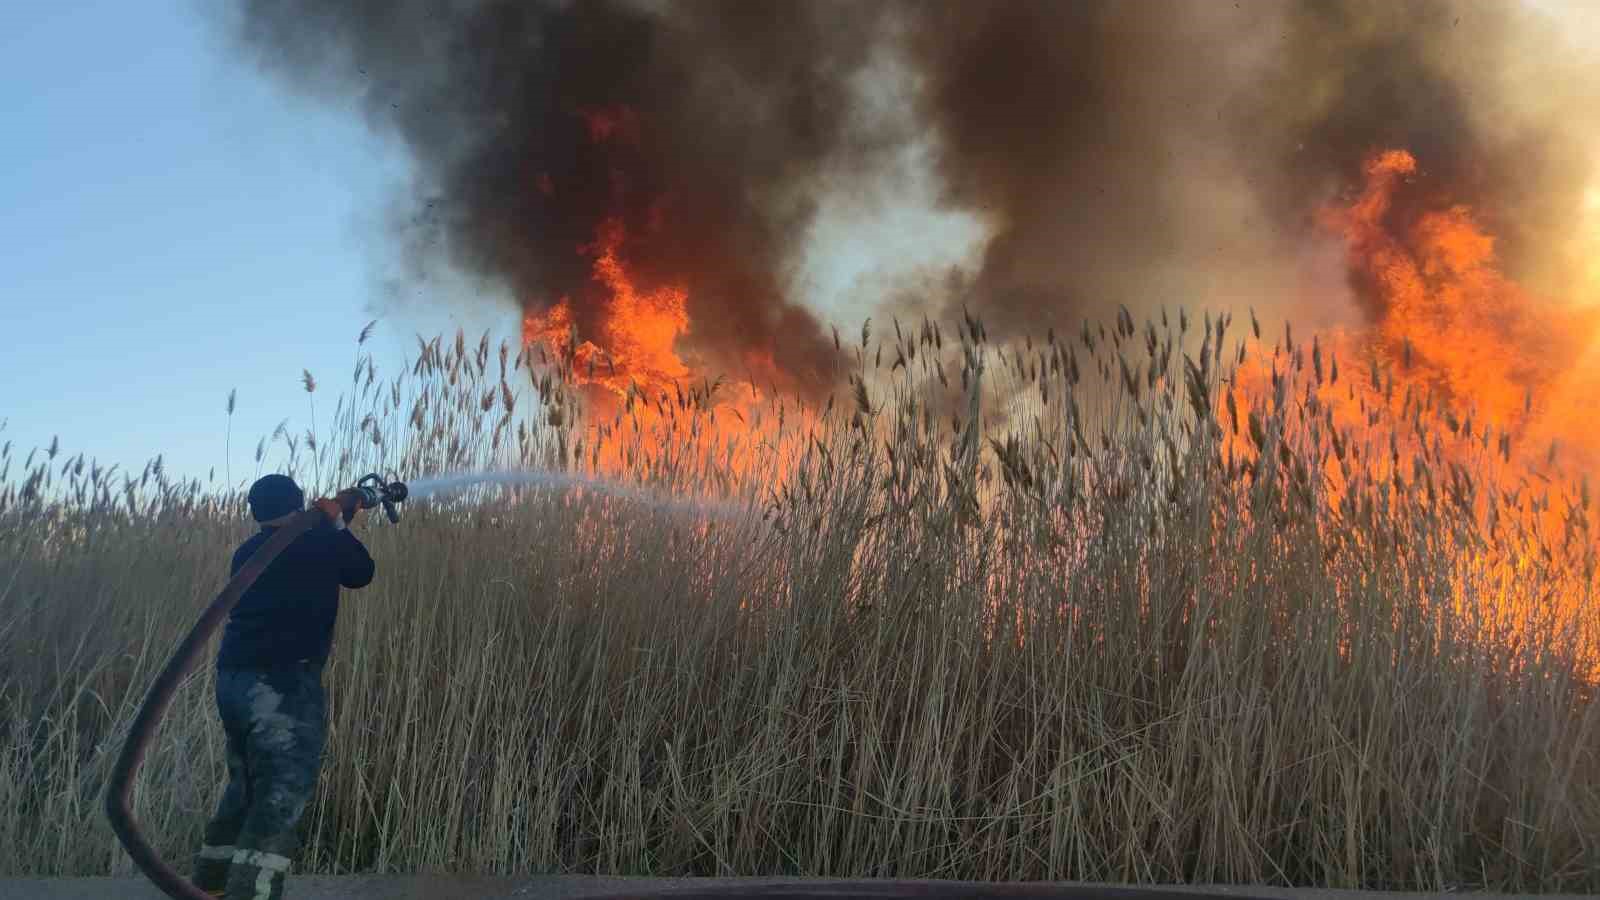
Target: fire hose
369,492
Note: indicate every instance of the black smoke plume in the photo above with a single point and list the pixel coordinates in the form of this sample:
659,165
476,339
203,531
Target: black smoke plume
1118,152
706,128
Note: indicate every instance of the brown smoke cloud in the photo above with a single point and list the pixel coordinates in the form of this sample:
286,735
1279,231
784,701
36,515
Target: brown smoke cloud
1151,154
1137,153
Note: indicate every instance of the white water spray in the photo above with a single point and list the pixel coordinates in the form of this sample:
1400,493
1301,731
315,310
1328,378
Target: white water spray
446,485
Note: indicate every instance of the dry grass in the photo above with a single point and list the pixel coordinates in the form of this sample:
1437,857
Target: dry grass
1065,610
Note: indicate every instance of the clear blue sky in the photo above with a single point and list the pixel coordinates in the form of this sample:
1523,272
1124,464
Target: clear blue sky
174,225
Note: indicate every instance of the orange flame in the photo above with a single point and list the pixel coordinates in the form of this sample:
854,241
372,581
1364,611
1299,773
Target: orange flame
1462,371
646,401
1449,320
635,344
622,351
1507,372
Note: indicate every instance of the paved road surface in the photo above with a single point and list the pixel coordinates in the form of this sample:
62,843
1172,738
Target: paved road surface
565,887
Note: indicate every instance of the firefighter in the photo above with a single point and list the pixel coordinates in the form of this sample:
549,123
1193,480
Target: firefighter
269,692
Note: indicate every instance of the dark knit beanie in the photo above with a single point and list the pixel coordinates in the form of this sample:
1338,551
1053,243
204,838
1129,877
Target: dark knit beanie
275,495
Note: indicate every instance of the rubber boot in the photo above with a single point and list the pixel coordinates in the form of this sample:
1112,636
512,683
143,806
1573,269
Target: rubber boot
256,875
212,866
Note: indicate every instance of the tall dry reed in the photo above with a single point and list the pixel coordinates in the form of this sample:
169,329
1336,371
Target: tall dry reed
1090,607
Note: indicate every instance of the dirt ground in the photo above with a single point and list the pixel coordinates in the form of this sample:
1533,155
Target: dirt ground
561,887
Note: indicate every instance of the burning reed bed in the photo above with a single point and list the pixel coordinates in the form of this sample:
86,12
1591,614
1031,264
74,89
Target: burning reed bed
1129,606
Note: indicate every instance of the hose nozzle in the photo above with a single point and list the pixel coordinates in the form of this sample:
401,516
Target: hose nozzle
372,491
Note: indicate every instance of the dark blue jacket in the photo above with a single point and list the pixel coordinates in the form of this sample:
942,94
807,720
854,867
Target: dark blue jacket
289,613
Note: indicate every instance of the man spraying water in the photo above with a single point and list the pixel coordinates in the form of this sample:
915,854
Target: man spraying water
270,695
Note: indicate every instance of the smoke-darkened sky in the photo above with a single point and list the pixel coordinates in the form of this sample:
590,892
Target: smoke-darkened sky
1136,153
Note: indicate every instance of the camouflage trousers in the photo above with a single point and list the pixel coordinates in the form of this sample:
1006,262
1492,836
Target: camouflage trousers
275,721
